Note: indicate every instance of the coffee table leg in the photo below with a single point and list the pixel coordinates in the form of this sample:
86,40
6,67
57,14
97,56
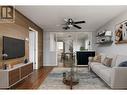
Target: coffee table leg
71,83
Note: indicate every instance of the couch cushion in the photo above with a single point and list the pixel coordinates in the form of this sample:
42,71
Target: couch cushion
94,63
97,58
101,70
113,56
113,60
102,57
106,75
107,61
98,67
120,59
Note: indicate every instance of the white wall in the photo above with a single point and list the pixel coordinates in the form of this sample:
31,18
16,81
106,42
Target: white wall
86,44
114,48
77,44
67,45
94,46
49,54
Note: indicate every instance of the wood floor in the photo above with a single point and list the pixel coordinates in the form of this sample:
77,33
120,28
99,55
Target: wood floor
34,80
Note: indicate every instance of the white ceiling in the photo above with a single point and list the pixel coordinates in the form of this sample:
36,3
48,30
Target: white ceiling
49,17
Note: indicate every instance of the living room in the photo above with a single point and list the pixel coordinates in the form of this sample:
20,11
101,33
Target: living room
77,47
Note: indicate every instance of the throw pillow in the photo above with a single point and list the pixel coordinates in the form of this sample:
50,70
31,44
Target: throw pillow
107,61
123,64
102,57
97,58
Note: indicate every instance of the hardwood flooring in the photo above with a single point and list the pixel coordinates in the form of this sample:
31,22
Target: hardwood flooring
34,80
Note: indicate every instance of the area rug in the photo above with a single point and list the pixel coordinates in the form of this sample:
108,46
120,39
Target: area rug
87,80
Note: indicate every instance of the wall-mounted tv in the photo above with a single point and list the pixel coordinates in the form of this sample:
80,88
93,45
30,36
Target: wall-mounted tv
14,48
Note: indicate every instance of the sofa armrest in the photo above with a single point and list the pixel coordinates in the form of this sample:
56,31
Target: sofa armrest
119,77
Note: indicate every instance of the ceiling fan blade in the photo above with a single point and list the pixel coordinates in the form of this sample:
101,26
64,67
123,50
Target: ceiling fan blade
79,22
65,19
77,26
66,28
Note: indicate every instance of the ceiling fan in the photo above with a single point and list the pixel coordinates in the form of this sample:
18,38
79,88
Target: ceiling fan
70,23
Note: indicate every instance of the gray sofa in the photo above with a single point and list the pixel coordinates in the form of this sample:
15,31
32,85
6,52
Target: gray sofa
114,76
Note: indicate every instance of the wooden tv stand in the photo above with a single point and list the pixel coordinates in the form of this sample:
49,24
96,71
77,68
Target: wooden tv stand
10,77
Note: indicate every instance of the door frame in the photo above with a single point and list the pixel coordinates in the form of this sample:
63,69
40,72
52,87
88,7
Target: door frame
36,47
76,37
57,63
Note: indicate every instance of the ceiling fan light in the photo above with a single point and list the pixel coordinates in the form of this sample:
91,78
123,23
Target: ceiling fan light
70,25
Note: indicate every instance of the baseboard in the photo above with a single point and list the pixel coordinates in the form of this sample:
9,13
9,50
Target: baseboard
50,65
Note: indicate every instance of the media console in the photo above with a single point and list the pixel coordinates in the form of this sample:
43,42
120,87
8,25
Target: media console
10,77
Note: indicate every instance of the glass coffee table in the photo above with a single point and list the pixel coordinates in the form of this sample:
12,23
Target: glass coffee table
71,78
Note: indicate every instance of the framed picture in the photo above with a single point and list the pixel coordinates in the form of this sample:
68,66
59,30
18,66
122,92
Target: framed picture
118,33
124,36
121,33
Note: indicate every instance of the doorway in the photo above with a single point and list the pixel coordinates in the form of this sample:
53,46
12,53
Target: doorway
33,47
64,49
60,51
68,43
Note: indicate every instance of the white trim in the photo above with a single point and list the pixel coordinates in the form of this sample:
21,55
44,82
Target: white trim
36,37
50,64
30,28
37,65
57,64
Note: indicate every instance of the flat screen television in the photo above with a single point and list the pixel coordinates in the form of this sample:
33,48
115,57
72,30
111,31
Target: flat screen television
14,48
